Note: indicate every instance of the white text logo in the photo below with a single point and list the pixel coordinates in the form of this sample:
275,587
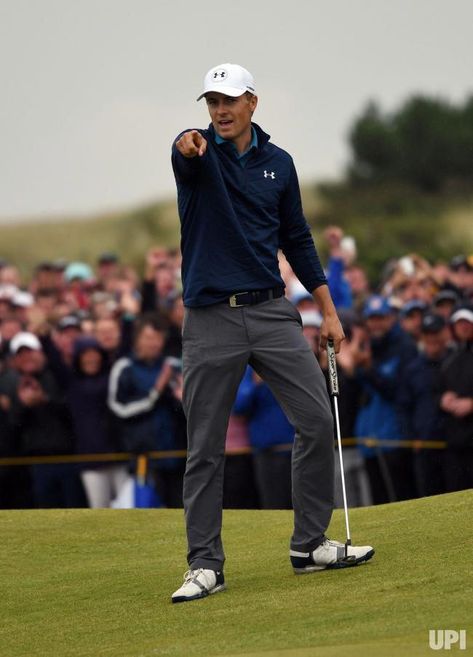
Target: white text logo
269,174
439,639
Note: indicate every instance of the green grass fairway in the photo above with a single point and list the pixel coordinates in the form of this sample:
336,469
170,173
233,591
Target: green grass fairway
98,584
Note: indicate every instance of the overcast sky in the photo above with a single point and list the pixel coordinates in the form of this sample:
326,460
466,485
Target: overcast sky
94,91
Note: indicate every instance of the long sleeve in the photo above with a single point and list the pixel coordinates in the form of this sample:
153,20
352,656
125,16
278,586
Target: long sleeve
338,286
295,238
123,401
185,168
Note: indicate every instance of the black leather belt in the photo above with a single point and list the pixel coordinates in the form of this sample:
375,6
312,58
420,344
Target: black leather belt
256,296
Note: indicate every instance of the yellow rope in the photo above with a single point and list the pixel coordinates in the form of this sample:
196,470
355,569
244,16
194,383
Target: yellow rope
126,456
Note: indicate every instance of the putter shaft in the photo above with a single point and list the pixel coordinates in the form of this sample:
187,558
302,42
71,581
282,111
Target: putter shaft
334,392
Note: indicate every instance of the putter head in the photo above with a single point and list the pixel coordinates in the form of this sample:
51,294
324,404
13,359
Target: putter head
344,562
348,559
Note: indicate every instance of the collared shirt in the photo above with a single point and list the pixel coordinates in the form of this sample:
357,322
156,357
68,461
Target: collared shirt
241,157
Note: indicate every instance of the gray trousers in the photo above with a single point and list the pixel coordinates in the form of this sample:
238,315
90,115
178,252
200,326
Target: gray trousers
218,343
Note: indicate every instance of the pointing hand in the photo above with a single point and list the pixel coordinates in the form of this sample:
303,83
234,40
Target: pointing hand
191,144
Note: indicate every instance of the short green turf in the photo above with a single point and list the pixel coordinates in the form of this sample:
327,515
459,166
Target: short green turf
98,583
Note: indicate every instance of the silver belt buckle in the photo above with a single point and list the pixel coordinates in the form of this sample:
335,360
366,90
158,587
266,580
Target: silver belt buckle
233,300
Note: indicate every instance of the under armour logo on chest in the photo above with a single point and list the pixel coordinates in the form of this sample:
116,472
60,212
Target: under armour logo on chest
269,174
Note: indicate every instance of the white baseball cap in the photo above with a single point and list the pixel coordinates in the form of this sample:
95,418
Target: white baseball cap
463,313
24,339
7,292
229,79
311,318
22,299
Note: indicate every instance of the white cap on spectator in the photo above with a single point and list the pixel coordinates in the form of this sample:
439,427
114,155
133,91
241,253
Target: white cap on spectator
295,288
229,79
301,295
24,340
22,299
311,318
7,291
463,313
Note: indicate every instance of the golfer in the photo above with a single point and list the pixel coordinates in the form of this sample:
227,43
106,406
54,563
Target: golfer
239,202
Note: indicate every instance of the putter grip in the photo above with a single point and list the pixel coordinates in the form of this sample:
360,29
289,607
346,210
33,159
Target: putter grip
332,369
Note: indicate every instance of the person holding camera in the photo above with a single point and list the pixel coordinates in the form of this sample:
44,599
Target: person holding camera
144,393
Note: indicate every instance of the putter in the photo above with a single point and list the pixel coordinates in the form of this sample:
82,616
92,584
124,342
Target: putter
334,393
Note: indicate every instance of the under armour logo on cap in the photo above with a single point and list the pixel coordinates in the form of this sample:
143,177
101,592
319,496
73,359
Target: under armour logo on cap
219,75
228,79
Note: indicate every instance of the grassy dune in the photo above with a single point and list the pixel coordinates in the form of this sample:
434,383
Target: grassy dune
130,234
386,222
84,583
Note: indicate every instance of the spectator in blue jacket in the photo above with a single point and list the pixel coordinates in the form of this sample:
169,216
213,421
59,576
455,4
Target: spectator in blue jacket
141,395
338,284
380,361
271,437
419,404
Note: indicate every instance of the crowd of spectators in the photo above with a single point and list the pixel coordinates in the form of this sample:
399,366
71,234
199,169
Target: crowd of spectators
90,363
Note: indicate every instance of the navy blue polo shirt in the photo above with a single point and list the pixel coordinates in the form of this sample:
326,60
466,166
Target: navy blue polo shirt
234,219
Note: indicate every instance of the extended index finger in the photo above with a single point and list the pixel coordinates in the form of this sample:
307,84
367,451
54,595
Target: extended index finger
196,137
199,142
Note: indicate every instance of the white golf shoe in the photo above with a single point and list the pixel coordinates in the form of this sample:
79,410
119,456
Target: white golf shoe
329,554
199,583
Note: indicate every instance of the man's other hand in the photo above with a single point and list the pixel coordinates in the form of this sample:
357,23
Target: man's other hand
331,329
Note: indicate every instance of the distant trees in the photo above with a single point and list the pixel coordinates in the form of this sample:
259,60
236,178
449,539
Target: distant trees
427,142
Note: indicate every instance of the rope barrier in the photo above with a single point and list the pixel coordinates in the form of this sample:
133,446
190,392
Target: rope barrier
182,453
